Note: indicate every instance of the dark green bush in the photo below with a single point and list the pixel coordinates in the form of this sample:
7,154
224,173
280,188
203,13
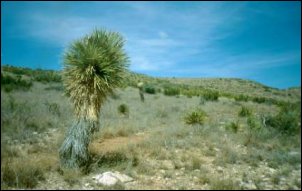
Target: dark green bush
39,75
244,112
288,120
259,99
233,126
123,109
10,83
47,77
18,70
150,89
210,95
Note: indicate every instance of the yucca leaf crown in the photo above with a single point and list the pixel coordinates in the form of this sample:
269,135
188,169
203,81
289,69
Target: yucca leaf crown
93,67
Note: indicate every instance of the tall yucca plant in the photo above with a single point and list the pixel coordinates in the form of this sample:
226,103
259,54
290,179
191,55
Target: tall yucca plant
93,67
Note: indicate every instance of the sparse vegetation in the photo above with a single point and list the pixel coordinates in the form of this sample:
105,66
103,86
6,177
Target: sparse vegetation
154,146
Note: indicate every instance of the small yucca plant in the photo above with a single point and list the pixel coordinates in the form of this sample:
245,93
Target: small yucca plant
93,67
196,117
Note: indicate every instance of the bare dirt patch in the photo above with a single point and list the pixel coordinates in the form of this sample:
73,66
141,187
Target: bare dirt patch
108,145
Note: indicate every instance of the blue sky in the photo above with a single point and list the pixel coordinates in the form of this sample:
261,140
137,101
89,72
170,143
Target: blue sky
259,41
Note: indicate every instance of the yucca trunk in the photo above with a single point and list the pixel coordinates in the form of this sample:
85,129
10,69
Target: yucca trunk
74,150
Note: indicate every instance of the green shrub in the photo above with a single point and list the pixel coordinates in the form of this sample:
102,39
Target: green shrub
196,117
210,95
39,75
233,126
53,108
123,109
171,91
241,98
47,76
244,112
10,83
259,99
288,120
150,89
196,162
17,70
253,123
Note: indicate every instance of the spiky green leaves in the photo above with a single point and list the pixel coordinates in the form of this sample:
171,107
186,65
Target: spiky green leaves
93,67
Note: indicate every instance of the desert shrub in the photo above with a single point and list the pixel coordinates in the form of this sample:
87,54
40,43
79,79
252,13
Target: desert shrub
17,70
53,108
278,157
150,89
47,76
9,83
288,120
253,123
196,117
210,95
123,109
202,100
171,91
196,162
36,74
233,126
244,112
241,98
259,99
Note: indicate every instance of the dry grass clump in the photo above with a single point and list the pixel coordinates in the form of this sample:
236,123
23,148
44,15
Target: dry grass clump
25,172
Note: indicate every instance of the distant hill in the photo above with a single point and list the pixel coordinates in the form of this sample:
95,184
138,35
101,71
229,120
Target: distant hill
229,87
